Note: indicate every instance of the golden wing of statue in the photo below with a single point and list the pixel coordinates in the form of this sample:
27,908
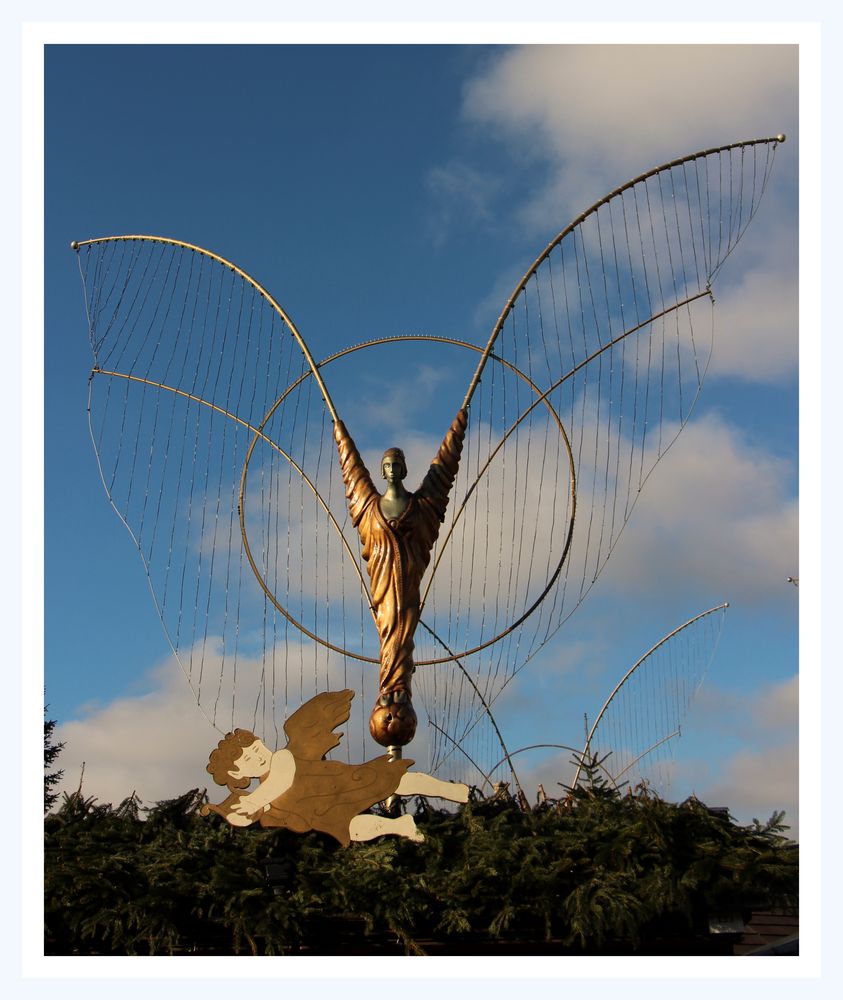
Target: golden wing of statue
310,729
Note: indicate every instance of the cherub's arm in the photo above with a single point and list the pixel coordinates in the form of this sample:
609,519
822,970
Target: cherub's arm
359,488
437,484
282,768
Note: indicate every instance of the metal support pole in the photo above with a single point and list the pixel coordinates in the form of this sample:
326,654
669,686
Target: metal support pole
393,802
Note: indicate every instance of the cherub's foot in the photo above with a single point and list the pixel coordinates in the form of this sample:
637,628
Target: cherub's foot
368,827
409,829
459,792
419,783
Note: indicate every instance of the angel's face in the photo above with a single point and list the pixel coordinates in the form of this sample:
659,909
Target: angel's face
253,762
393,468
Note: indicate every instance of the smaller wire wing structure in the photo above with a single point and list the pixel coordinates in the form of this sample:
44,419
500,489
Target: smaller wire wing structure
633,733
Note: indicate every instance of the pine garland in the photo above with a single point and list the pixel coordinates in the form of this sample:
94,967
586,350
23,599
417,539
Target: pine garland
595,871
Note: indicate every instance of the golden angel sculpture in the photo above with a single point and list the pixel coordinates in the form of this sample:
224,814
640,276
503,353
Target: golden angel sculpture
280,573
398,531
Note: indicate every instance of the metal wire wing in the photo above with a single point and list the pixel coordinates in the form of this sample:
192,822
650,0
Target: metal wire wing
635,730
209,422
589,375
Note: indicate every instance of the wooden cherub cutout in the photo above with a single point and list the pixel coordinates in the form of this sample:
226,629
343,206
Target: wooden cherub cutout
300,790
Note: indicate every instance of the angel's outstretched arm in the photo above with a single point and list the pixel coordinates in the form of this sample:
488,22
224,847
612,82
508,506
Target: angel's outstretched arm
437,484
359,488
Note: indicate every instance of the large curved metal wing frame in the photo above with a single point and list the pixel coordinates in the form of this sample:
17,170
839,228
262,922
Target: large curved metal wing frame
258,431
554,243
541,397
681,221
583,377
78,244
147,325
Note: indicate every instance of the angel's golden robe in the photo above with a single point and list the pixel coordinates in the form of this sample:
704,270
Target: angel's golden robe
397,551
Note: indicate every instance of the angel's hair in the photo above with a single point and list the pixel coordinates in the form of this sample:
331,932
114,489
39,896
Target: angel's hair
223,759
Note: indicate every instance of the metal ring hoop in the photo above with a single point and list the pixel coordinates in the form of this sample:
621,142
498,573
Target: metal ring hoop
261,435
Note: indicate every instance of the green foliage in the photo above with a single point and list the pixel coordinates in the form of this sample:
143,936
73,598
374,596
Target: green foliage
51,752
596,870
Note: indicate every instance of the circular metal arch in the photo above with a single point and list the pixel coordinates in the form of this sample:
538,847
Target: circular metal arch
313,369
542,397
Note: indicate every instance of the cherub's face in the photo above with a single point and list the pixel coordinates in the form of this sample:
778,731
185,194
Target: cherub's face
253,762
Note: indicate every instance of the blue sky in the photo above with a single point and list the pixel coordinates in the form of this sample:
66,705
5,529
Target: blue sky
377,190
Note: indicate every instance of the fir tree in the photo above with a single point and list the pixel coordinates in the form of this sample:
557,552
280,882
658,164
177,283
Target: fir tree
596,872
51,752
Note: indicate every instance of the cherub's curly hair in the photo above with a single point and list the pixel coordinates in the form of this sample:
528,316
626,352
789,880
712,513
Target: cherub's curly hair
223,758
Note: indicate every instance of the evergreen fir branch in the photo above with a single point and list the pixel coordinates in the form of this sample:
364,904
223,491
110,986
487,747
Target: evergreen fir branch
598,871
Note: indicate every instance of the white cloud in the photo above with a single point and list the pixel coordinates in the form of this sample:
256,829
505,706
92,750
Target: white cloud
600,110
552,773
157,744
756,320
716,518
768,715
595,116
753,783
776,710
761,783
761,775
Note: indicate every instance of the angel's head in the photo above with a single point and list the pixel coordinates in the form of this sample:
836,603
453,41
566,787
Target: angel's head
239,757
394,465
